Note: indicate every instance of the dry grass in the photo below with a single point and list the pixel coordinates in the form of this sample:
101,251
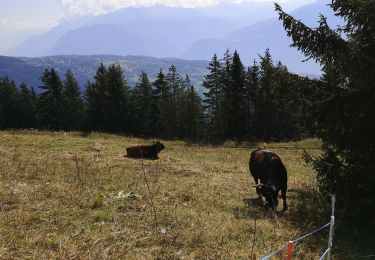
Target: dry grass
75,196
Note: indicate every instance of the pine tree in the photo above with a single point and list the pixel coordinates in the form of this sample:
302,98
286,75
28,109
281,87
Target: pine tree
213,100
72,102
265,118
251,86
236,99
51,103
225,78
192,111
115,100
8,95
26,107
159,99
142,106
174,82
95,95
344,109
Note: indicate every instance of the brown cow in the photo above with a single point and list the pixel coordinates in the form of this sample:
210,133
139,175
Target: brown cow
267,167
145,151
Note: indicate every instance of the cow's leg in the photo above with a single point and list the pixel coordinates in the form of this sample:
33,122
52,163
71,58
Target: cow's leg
283,195
257,188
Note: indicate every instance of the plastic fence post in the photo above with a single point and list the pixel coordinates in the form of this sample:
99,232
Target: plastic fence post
290,249
330,239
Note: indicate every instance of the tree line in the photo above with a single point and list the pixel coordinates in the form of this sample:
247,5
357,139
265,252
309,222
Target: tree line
262,101
169,107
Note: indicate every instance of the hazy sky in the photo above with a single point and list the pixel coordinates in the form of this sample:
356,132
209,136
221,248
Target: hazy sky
19,19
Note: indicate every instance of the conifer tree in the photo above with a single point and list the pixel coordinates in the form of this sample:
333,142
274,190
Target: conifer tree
26,107
225,78
174,82
142,106
51,101
72,102
212,103
91,107
95,95
191,111
251,90
236,99
265,113
116,100
344,110
8,95
159,104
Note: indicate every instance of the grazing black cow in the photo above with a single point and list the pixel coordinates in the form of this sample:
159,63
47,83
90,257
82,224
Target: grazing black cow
267,167
145,151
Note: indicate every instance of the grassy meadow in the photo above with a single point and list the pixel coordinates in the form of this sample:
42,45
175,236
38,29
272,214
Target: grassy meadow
75,196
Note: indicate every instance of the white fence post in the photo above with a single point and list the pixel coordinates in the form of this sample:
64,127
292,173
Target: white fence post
330,239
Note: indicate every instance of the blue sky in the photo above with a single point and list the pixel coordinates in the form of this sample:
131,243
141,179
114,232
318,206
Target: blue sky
20,19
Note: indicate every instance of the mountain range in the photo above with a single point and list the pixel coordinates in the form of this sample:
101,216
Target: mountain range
188,33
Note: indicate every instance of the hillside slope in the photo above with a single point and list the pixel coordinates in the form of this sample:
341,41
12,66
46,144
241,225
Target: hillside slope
75,195
29,70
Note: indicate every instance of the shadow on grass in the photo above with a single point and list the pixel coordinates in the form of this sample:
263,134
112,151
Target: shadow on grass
307,208
223,144
140,158
253,208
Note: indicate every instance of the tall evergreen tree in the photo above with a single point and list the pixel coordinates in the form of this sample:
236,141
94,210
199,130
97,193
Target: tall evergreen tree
72,102
344,109
142,100
95,95
236,99
225,78
265,117
26,107
191,111
8,95
251,86
213,100
174,82
51,101
116,100
159,104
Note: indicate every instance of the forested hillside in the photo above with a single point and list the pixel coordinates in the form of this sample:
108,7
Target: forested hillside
28,70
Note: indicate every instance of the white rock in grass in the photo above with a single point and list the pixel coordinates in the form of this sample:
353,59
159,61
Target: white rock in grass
120,195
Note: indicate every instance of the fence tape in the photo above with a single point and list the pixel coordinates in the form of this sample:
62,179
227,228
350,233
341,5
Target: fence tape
309,234
274,253
325,253
296,241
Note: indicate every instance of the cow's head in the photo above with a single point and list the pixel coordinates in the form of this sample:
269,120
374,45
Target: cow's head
269,192
159,146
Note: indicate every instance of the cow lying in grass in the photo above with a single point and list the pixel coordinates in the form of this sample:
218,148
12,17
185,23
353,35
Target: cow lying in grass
267,167
145,151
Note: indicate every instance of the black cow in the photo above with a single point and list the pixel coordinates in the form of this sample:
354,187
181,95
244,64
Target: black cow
145,151
267,167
